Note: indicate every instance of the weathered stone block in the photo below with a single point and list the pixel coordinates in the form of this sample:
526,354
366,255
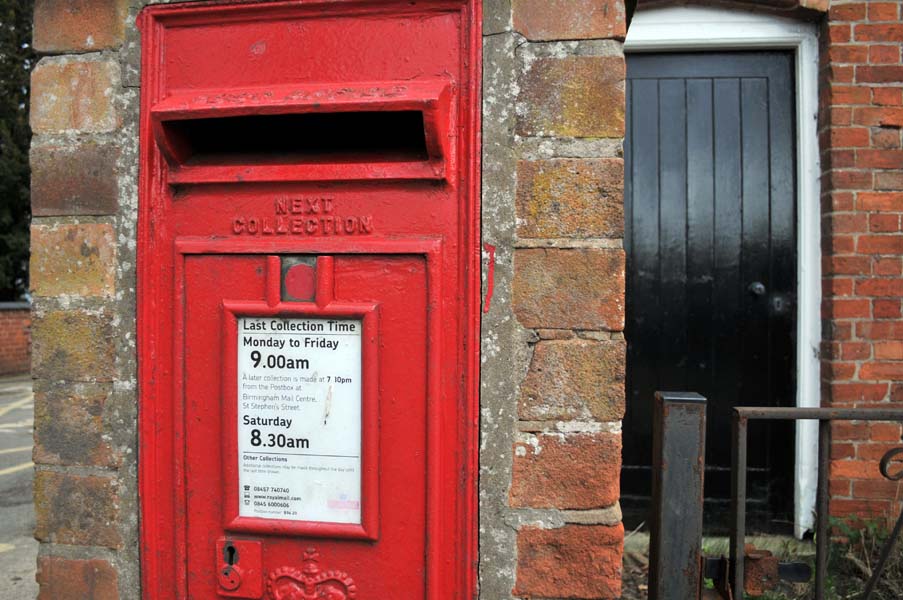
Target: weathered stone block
576,288
73,579
74,180
73,259
77,510
570,198
74,95
576,96
543,20
577,471
574,379
69,426
72,345
575,561
79,25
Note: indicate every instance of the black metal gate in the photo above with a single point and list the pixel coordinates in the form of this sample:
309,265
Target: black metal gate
677,566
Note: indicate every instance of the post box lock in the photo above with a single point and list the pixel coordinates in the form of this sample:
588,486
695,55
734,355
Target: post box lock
239,571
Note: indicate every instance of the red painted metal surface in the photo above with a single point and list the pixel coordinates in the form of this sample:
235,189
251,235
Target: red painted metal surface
395,232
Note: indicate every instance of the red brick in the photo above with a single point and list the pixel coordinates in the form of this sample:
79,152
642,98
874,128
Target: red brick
876,489
840,33
848,265
887,201
837,287
854,469
850,309
886,309
885,432
875,451
841,73
883,11
881,370
855,350
886,265
543,20
880,244
849,431
76,510
847,12
73,579
574,379
79,25
880,287
839,488
574,471
841,201
561,97
830,350
884,55
838,371
887,96
858,508
851,180
880,331
839,330
847,53
882,74
569,289
849,137
74,95
879,159
847,223
858,392
840,115
842,451
15,331
887,138
842,159
874,116
575,561
841,244
889,181
884,223
78,179
878,33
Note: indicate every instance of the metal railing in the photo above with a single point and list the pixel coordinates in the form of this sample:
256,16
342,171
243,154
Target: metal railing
676,562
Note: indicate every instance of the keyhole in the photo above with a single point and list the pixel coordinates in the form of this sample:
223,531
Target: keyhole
231,554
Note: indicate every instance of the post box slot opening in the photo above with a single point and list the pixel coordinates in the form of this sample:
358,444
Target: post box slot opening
330,137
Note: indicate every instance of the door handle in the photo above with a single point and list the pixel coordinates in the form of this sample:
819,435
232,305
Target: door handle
757,288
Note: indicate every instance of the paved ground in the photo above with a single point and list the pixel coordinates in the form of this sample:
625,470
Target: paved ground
17,547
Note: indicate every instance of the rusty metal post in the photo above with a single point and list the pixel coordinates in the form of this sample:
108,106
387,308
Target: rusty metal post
738,505
678,467
822,533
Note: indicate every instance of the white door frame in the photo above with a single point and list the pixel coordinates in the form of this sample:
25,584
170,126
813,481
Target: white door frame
713,29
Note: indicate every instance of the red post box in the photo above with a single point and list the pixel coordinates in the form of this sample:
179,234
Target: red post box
308,299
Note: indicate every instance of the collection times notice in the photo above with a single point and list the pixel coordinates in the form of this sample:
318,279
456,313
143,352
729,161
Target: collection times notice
299,419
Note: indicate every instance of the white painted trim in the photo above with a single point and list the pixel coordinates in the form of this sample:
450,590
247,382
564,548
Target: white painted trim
698,28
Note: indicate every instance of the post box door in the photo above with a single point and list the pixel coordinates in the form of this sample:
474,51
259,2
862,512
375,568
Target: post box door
376,522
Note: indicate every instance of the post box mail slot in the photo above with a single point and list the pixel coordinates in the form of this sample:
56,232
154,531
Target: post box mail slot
395,130
308,299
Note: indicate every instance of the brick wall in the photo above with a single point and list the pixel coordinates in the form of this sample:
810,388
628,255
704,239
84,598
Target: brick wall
553,347
862,183
84,170
15,338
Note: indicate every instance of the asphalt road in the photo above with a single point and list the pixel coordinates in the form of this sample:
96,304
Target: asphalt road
18,548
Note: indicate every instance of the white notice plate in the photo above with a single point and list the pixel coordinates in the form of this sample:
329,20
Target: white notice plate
299,419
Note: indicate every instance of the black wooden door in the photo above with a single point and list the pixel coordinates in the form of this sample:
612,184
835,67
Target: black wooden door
711,261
